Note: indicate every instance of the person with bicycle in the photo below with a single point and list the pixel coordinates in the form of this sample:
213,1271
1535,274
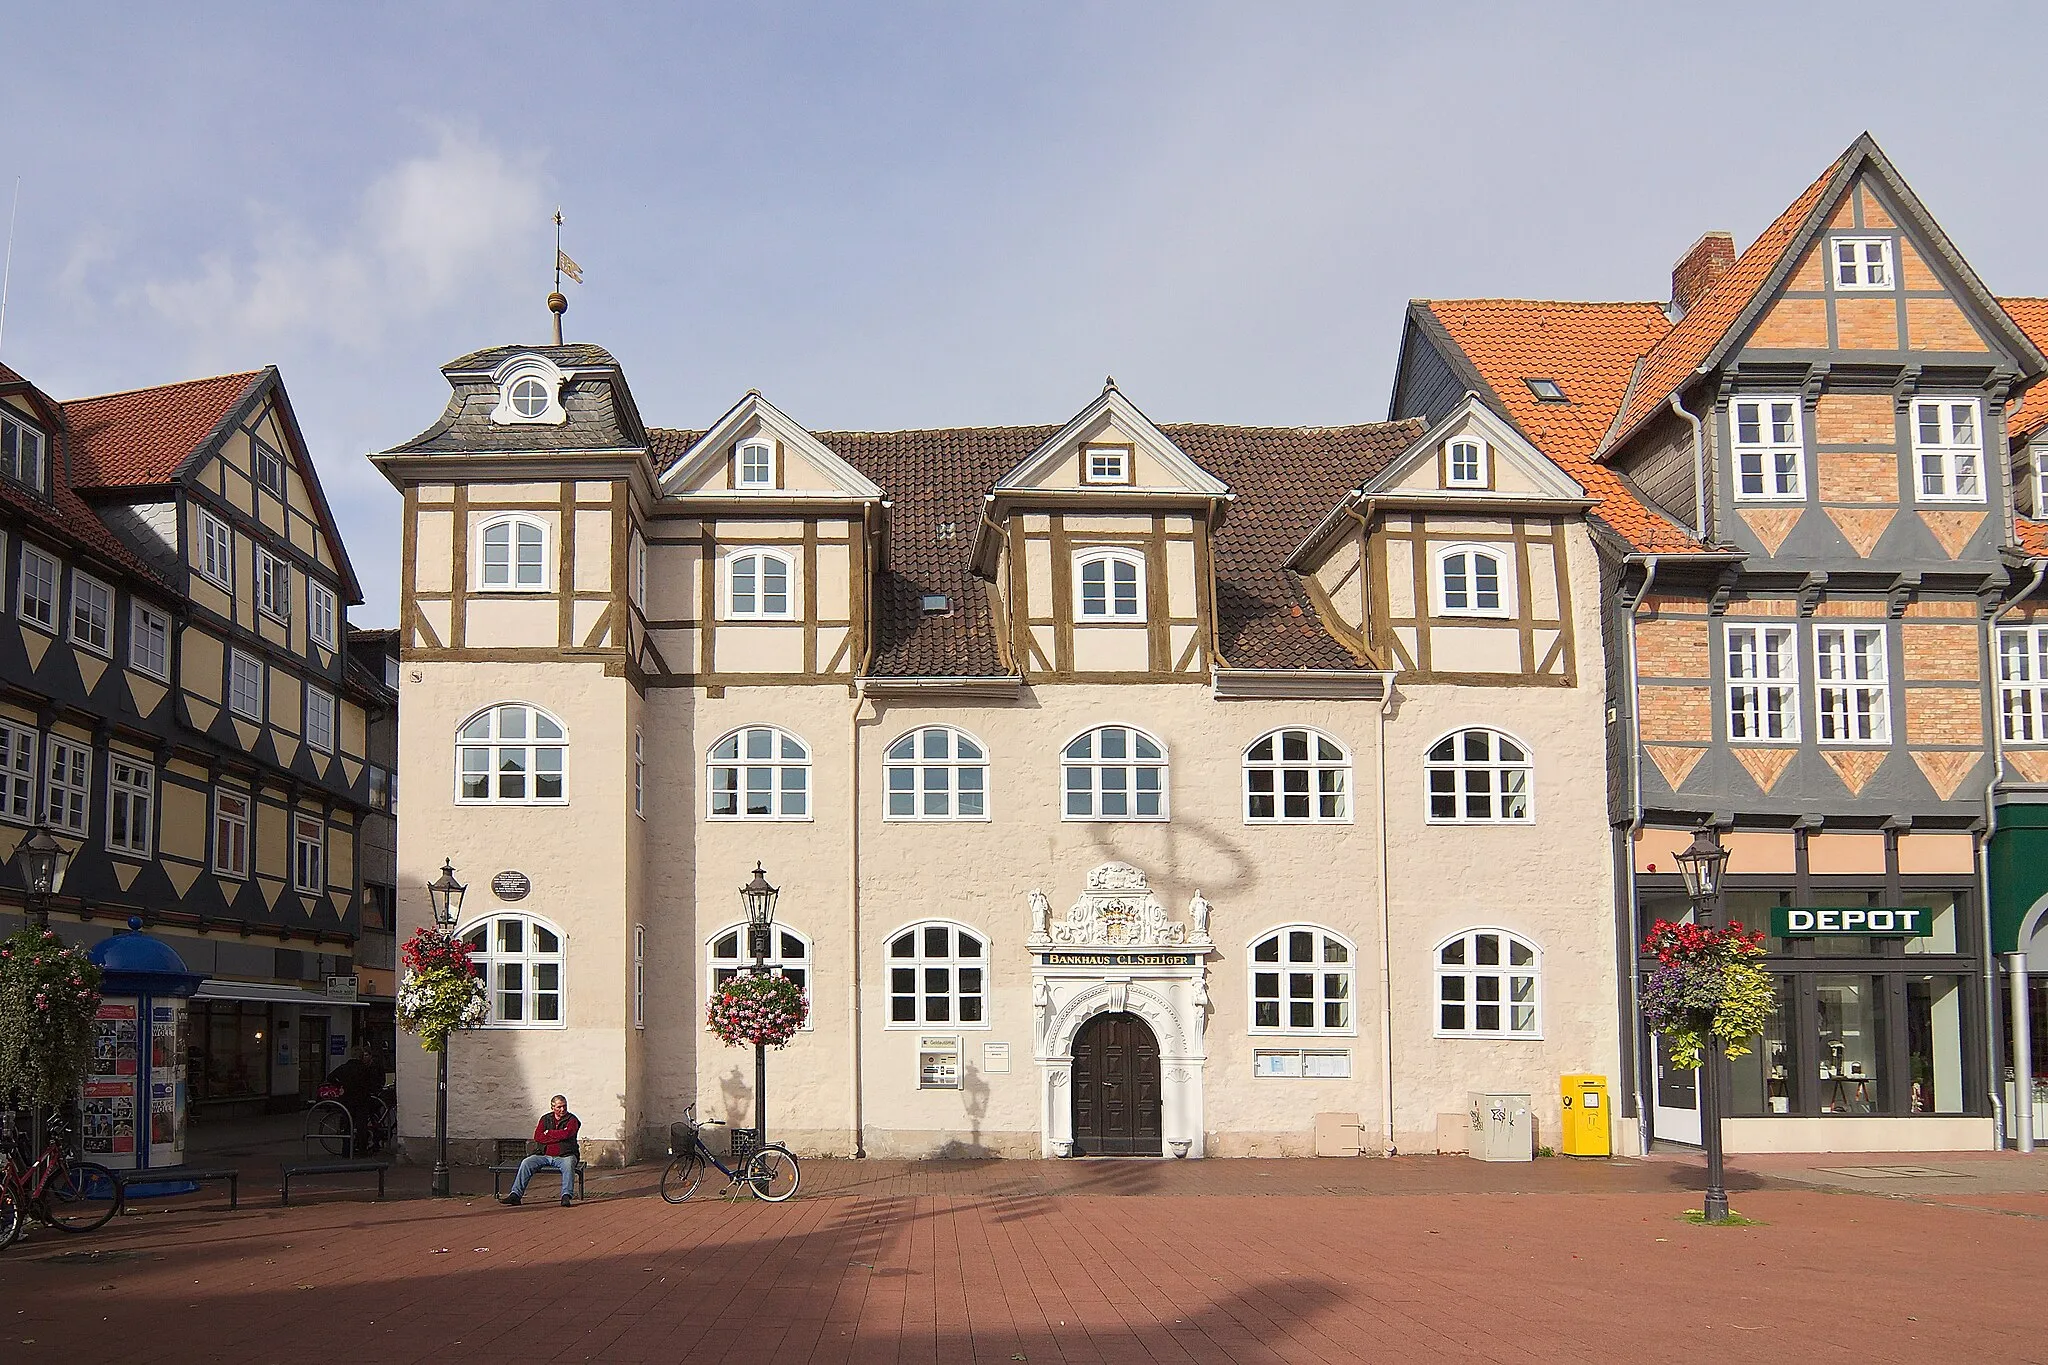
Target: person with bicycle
556,1134
360,1077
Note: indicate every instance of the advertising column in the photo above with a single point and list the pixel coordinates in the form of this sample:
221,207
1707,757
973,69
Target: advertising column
112,1081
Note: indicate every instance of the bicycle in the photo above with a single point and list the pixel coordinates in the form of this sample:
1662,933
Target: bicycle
771,1173
329,1123
74,1196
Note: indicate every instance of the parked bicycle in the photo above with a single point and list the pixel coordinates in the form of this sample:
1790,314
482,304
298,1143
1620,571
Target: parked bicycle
771,1173
75,1196
330,1124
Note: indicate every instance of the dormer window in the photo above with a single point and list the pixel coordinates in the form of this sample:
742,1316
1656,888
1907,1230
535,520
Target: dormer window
1107,464
754,465
21,451
529,392
1110,586
1465,464
529,398
1863,263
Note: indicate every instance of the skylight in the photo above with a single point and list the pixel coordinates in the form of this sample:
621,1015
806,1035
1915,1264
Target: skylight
1546,390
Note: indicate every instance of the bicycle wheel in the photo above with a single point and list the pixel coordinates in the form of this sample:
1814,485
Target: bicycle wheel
679,1181
81,1198
10,1217
328,1123
383,1125
772,1174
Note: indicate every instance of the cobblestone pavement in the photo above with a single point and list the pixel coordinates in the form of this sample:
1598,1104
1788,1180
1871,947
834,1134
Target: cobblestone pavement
1417,1258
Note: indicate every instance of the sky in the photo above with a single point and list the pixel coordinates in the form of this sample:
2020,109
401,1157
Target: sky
919,215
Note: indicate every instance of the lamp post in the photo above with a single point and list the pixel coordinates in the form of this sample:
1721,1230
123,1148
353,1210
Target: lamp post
446,894
759,899
43,864
1703,865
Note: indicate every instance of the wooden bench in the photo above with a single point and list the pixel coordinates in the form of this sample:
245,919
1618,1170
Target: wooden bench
304,1169
499,1172
123,1179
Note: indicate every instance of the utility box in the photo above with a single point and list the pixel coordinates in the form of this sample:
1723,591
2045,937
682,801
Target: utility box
1338,1135
1501,1130
1583,1101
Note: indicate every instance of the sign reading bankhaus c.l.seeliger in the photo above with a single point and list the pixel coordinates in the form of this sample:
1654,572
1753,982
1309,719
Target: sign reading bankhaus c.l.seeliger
1877,921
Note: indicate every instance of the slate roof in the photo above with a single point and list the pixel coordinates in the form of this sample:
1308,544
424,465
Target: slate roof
142,437
599,408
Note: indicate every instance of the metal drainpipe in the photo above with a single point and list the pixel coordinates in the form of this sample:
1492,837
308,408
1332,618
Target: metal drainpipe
2022,1086
1699,467
1635,823
860,1144
1386,944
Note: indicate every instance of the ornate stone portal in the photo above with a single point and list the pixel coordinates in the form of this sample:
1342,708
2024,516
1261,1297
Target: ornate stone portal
1117,950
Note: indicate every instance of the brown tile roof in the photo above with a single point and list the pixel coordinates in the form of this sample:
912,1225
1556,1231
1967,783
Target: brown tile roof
1590,349
2033,536
141,437
2031,413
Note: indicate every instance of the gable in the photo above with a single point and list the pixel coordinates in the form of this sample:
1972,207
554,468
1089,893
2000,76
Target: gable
1109,428
1506,465
799,464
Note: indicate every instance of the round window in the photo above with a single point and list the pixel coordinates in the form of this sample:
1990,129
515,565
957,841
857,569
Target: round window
529,398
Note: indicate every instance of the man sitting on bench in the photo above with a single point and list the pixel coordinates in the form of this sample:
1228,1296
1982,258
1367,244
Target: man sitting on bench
556,1134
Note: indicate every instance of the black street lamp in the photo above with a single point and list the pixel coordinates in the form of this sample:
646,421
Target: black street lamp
445,894
759,899
43,864
1703,865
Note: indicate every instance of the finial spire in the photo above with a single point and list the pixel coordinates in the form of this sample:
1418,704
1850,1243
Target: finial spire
558,302
1108,382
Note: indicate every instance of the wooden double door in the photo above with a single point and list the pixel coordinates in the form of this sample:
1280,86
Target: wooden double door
1116,1088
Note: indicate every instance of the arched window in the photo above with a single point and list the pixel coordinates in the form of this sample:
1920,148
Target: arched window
513,555
759,773
510,755
726,957
1115,773
1301,981
757,586
1488,985
1471,581
1109,585
936,773
938,974
1295,775
1465,463
520,959
1479,777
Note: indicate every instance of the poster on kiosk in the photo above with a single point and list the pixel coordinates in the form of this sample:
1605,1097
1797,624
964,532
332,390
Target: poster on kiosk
132,1102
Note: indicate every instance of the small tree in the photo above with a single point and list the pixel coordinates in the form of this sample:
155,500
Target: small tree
441,991
1707,983
49,995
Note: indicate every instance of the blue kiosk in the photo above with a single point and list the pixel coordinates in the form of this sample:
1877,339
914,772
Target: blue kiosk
132,1102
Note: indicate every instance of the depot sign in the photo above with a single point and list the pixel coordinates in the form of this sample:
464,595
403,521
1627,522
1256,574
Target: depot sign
1823,921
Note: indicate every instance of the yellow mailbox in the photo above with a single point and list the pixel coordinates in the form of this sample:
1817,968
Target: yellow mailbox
1584,1100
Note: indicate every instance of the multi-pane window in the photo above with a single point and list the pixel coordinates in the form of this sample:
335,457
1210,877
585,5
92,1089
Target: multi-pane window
1108,464
1770,456
759,773
1296,775
521,961
1110,585
937,773
639,976
1863,263
380,788
1854,691
512,755
216,550
320,720
756,465
1478,776
2023,683
92,613
67,780
38,588
320,613
131,788
149,641
245,685
529,399
639,549
21,451
1763,683
17,774
1114,773
515,555
273,586
1301,982
230,833
1948,450
757,586
309,854
1488,985
789,955
1465,463
639,775
269,467
938,974
1468,582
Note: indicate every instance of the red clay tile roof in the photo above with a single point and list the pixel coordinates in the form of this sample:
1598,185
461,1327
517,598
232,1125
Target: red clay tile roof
65,518
142,437
2031,414
2033,536
1590,349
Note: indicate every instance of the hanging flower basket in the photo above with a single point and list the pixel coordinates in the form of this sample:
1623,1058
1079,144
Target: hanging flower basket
48,996
1707,982
751,1009
442,991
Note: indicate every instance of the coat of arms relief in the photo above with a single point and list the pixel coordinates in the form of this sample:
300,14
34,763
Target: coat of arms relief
1117,910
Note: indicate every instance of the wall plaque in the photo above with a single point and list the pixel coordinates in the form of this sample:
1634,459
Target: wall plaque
510,886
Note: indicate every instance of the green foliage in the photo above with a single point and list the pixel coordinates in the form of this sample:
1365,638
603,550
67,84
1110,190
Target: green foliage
441,991
48,996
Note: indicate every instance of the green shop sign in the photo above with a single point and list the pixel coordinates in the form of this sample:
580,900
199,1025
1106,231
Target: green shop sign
1825,921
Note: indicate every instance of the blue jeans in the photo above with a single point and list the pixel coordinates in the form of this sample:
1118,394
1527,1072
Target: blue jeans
534,1164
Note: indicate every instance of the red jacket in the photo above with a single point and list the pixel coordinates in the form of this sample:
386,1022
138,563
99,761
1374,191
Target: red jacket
557,1139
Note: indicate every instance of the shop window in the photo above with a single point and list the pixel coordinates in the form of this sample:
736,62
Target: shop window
789,956
521,960
1934,1043
759,773
1766,1078
1488,985
1941,923
511,754
1296,776
1301,978
1479,777
936,773
1852,1027
938,974
229,1060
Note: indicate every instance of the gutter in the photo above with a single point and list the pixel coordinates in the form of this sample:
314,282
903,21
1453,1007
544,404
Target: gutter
2023,1088
1628,861
997,687
1699,468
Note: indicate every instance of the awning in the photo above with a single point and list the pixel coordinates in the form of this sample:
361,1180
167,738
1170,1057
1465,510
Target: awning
266,992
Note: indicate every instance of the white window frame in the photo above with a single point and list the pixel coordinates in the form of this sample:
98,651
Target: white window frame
15,431
529,397
1481,460
536,756
1503,973
131,804
721,967
1503,580
1285,969
2023,683
2038,462
18,771
322,613
640,976
67,784
743,463
1130,783
1276,782
309,854
758,610
265,459
1459,778
639,549
237,661
1106,464
1852,685
273,585
1755,695
514,566
321,719
232,832
1947,460
146,623
92,600
787,775
639,774
529,958
216,551
53,576
1860,260
1778,466
1112,612
921,960
921,778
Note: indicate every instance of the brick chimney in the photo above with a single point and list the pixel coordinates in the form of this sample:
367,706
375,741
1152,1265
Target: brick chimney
1696,271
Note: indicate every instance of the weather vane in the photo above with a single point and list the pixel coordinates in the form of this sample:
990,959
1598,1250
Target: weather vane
558,302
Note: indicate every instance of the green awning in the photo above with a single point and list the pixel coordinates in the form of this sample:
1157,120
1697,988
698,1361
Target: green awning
2019,870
